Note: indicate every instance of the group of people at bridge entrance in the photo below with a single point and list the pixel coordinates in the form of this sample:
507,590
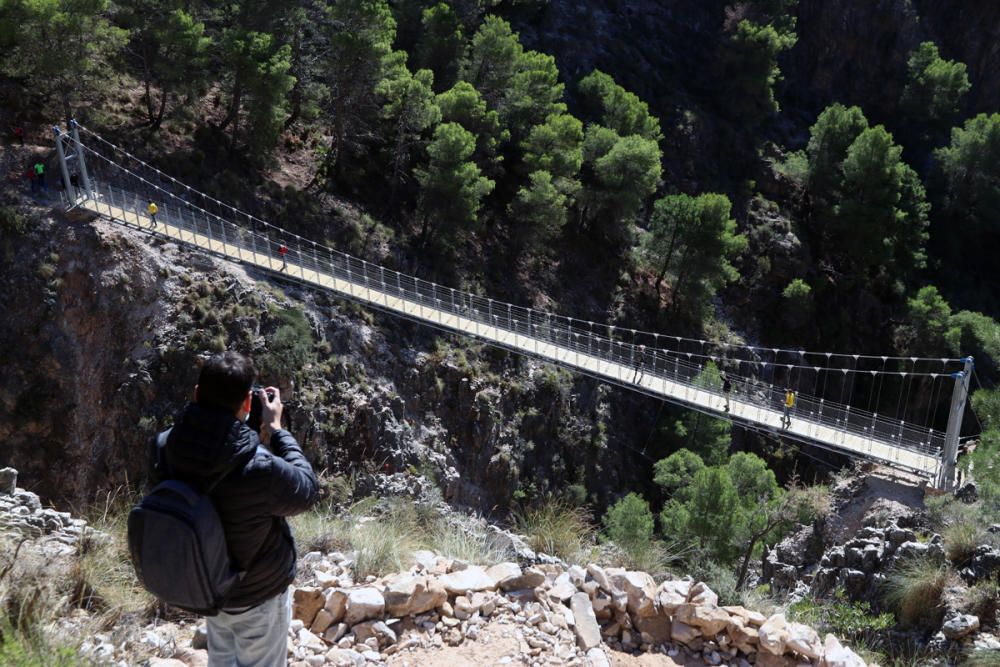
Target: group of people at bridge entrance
788,404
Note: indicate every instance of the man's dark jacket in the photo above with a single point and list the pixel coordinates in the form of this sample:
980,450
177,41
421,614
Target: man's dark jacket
252,500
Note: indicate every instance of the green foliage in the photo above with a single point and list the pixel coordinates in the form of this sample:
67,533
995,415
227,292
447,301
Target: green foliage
12,221
409,105
557,528
696,238
258,79
870,212
171,47
971,166
623,172
290,347
360,34
674,474
556,147
464,105
441,44
751,69
539,212
629,521
929,328
849,621
934,86
617,108
915,589
798,300
453,187
65,48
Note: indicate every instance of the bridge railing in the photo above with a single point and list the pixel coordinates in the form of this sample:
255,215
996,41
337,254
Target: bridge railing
630,362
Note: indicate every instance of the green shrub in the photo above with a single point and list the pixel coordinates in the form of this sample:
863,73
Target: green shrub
465,541
556,528
851,621
983,600
915,590
11,221
960,542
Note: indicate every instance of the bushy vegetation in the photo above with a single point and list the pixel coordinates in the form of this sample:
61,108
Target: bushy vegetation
915,588
555,527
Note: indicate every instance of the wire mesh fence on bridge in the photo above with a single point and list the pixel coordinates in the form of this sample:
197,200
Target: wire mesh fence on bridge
586,340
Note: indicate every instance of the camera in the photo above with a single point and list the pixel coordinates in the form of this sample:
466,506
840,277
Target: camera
253,421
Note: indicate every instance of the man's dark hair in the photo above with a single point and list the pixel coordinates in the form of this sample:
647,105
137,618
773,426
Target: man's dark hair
225,380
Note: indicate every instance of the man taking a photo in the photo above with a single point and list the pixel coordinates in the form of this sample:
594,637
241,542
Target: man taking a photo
264,485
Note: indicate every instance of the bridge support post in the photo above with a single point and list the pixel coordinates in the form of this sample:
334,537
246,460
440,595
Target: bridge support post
949,455
84,176
62,166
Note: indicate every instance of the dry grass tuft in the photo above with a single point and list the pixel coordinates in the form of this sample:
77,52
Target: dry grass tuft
557,528
915,590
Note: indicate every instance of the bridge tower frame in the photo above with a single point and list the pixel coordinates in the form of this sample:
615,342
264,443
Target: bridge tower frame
949,454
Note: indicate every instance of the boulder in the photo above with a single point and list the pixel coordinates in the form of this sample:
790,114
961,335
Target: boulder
471,579
345,657
310,641
804,640
711,620
773,634
654,629
701,594
960,625
306,602
409,595
743,636
501,572
672,594
837,655
596,657
335,632
377,629
364,603
598,574
323,620
641,591
336,603
588,632
531,578
684,633
562,589
750,618
8,481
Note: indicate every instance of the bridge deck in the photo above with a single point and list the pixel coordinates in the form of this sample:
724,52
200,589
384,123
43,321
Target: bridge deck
741,409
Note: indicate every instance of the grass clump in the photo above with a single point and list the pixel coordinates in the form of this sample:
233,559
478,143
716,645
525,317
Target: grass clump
961,541
854,622
557,528
915,590
466,541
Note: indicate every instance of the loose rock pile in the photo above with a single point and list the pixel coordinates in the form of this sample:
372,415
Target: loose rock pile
55,534
563,615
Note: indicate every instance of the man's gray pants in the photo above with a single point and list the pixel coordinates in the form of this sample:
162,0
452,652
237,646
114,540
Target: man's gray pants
254,638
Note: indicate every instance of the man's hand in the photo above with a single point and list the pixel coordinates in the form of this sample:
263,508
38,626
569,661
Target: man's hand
270,408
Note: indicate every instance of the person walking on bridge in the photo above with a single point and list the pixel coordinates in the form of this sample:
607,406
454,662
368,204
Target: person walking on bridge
786,418
40,176
727,388
152,208
283,250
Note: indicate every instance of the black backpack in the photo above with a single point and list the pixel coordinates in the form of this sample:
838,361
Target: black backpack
178,546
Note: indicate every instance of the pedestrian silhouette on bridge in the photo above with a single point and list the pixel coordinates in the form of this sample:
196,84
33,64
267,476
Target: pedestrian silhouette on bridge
727,387
19,134
786,418
283,250
40,176
152,213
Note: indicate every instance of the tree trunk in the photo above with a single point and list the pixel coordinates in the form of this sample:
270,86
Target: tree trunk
159,114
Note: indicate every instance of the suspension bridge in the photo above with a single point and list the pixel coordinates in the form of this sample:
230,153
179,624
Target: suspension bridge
107,180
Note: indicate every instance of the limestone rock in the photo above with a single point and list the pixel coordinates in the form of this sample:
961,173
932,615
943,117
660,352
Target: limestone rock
323,620
641,591
804,640
598,574
684,633
377,629
765,659
563,589
701,594
672,594
531,578
345,657
711,620
596,657
750,618
334,633
409,595
837,655
502,572
654,629
471,579
362,604
8,481
306,602
336,603
165,662
960,625
773,635
588,632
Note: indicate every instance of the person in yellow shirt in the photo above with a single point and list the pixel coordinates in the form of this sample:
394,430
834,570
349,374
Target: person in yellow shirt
152,213
786,418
